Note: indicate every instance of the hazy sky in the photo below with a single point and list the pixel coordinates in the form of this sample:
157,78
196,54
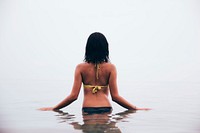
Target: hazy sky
150,40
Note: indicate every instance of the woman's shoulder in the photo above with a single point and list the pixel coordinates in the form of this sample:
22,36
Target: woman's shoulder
81,65
110,65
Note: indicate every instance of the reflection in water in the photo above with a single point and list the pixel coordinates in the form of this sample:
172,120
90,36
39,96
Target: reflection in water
96,123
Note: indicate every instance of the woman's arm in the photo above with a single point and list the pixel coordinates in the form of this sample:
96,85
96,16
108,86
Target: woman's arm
115,94
73,95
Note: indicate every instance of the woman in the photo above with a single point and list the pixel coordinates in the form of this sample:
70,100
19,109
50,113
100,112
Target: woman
99,77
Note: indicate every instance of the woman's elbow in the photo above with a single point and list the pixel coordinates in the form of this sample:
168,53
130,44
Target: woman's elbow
115,98
73,97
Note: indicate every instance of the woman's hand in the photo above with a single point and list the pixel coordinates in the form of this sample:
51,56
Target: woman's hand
47,109
143,109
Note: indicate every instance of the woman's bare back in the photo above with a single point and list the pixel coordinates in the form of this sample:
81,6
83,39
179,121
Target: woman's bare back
95,76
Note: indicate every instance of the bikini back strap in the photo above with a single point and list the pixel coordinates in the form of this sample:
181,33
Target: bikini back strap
95,87
97,66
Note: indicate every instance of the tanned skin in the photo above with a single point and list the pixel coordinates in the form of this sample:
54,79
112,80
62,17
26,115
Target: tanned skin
85,73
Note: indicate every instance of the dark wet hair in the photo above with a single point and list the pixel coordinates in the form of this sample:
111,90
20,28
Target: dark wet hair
96,50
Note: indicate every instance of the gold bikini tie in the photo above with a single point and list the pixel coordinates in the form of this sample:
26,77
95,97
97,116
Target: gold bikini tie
95,87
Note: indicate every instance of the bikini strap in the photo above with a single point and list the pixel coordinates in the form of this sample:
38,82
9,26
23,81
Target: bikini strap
95,88
97,66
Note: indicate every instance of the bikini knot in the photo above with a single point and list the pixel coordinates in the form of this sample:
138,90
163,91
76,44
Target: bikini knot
95,89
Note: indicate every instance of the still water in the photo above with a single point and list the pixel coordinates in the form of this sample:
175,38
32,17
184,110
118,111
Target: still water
175,109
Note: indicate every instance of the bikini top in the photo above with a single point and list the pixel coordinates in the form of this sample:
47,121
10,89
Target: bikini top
95,88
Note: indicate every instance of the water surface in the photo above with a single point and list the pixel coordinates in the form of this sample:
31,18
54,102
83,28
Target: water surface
175,109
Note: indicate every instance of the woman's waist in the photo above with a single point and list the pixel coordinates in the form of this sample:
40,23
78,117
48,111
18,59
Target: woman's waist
96,102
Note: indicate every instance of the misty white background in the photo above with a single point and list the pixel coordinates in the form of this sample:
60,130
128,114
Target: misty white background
148,40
